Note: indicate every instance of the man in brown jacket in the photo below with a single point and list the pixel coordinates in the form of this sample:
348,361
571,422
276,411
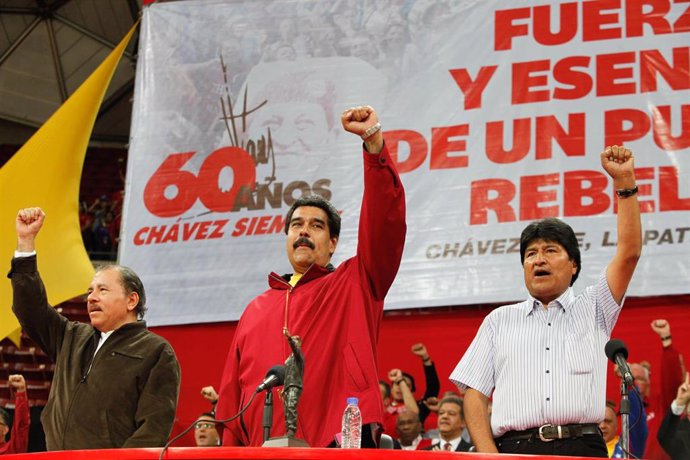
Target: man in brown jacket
115,384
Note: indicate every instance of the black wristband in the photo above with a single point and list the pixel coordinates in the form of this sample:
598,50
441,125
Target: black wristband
626,192
668,337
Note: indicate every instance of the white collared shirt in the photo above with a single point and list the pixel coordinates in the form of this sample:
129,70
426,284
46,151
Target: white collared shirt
543,365
101,341
415,443
676,408
454,443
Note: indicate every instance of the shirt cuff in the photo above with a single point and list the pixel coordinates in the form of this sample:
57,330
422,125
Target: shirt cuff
676,408
24,254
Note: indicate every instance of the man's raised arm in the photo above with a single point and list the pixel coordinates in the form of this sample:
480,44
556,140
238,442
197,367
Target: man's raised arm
382,227
29,299
617,161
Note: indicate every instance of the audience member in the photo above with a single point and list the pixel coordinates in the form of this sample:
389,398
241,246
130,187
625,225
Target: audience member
401,400
209,393
609,430
674,432
100,225
116,383
451,423
19,439
409,429
433,405
398,403
205,431
658,397
638,429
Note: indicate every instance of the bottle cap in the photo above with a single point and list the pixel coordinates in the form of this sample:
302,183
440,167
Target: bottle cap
352,401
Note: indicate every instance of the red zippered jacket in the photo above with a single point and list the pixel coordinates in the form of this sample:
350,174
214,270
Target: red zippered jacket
337,314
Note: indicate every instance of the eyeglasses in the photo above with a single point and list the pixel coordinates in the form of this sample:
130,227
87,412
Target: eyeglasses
207,425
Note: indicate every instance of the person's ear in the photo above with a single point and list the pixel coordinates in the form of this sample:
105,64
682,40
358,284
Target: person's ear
333,243
132,301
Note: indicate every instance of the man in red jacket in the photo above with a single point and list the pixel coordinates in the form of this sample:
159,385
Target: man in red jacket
335,311
658,399
19,439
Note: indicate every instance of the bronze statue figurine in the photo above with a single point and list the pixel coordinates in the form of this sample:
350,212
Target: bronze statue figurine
292,386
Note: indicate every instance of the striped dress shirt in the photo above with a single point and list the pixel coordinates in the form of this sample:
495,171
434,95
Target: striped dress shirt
543,365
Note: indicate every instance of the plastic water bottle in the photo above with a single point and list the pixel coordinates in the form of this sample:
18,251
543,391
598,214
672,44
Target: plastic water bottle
352,425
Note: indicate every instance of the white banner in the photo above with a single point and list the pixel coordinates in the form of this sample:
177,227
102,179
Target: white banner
495,111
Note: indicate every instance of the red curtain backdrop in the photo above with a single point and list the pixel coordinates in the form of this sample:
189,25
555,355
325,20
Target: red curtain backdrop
201,348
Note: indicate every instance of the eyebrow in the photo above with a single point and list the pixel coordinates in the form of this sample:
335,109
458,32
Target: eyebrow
547,244
313,219
99,285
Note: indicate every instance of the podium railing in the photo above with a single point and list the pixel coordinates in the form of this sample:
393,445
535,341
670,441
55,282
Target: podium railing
266,453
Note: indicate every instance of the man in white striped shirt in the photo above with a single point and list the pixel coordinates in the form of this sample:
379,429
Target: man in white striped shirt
543,358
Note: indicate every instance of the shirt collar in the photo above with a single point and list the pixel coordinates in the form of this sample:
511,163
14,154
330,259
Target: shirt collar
414,444
455,442
565,301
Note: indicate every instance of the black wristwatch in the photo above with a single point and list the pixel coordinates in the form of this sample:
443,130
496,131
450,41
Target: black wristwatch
626,192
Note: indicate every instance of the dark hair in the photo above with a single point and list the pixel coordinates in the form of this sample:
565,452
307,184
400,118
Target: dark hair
455,400
387,387
207,414
130,282
4,416
411,379
318,202
556,231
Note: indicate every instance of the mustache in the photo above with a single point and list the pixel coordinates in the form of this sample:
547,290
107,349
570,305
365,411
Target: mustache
303,241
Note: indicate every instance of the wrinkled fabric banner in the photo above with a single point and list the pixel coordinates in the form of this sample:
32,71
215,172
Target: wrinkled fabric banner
496,114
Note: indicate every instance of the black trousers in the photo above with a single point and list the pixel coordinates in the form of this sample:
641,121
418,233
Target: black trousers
585,446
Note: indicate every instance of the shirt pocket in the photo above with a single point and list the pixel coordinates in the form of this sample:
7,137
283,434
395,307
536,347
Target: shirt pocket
354,369
580,353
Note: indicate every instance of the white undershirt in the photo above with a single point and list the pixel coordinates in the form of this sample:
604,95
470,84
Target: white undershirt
104,337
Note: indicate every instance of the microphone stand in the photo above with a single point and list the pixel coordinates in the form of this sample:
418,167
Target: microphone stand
625,420
268,414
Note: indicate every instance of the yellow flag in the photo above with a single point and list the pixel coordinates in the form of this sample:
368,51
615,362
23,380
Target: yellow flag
46,172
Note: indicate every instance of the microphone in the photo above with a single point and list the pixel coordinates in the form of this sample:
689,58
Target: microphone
274,377
617,352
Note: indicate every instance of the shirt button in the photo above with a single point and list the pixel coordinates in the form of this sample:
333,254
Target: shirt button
548,372
549,324
547,348
548,399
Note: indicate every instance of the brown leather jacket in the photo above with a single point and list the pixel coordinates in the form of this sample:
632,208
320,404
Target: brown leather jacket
125,396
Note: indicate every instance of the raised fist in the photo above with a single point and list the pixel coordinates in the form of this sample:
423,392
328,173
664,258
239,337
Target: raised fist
661,327
420,350
210,394
618,163
394,375
17,382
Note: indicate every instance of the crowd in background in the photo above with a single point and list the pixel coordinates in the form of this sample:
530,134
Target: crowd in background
659,423
100,225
